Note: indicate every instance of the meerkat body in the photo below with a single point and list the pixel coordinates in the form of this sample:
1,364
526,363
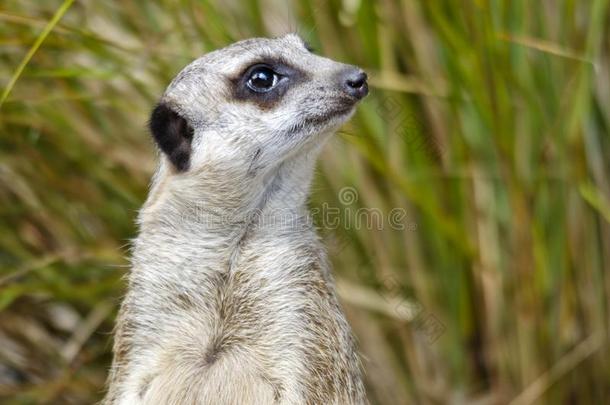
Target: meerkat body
230,297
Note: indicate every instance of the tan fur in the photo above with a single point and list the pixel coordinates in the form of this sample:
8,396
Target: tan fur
230,297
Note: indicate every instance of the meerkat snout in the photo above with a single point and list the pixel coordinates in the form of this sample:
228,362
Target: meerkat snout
354,82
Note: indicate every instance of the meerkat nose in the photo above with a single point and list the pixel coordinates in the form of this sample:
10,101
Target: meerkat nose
354,82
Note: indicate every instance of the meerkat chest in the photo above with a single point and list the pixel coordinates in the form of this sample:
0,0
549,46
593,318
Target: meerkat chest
269,298
271,322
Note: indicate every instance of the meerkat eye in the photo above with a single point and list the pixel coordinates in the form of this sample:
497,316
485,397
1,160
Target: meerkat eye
262,79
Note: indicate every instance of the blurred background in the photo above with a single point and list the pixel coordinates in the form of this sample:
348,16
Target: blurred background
487,127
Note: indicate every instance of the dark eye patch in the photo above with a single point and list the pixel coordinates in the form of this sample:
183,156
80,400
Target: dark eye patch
288,74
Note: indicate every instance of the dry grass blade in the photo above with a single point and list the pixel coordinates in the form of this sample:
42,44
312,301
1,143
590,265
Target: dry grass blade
392,306
24,270
547,47
566,364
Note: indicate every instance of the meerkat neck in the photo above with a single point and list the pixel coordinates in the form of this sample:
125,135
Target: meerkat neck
221,212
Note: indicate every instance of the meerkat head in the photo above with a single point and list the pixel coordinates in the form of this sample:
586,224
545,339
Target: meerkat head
253,105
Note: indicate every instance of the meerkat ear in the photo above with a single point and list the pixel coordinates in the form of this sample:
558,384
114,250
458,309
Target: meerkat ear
173,134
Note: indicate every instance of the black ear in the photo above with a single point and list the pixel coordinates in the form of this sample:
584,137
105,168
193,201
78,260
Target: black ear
173,135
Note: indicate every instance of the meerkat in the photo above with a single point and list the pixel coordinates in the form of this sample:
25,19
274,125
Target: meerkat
230,298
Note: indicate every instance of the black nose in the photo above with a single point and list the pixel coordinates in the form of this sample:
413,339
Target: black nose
354,82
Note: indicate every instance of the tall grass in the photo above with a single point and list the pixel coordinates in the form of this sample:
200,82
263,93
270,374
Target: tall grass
487,124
